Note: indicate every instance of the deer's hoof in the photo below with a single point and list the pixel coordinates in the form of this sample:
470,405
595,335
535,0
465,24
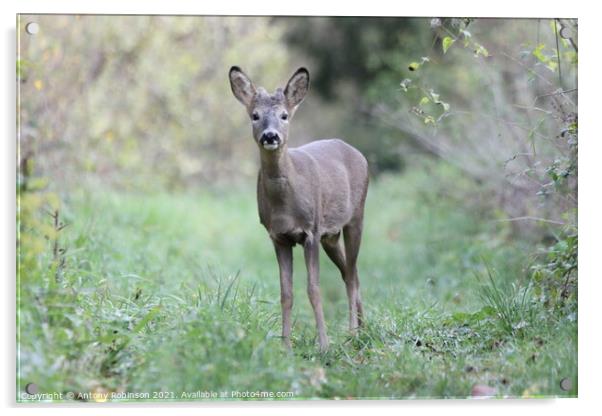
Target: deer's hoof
324,345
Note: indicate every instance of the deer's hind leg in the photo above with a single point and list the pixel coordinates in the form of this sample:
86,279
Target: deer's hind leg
353,236
336,252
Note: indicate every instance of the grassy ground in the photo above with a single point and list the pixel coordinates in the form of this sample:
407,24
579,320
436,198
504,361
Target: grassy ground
178,293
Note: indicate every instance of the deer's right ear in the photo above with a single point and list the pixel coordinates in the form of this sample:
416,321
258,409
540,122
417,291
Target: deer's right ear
242,86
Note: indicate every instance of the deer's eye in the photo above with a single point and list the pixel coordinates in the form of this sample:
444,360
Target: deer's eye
284,116
255,116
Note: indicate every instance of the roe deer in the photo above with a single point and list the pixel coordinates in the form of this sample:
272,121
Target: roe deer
306,195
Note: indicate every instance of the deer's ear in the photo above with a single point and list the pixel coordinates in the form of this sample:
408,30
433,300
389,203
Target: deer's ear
297,88
242,86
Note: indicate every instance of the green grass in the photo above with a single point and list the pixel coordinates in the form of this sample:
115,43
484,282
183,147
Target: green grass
175,292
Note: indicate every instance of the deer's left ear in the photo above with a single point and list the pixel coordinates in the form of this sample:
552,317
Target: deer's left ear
297,88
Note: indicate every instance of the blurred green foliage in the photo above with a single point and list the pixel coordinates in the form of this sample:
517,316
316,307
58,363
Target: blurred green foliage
491,96
366,51
140,101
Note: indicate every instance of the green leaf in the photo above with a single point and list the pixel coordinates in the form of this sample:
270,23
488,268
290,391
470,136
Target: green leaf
424,100
481,50
537,52
447,42
552,65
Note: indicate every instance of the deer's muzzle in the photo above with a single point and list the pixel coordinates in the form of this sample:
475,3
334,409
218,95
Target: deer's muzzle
270,140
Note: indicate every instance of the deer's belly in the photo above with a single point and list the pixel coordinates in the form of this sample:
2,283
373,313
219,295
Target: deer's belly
334,220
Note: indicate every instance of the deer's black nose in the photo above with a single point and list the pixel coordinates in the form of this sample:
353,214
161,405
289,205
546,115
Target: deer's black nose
270,137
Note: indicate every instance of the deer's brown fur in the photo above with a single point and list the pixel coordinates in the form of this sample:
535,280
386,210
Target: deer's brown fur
306,195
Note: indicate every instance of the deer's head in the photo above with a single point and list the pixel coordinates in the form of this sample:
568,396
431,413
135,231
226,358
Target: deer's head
270,114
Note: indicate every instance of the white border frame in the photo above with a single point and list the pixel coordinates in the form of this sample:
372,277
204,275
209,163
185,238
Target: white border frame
589,201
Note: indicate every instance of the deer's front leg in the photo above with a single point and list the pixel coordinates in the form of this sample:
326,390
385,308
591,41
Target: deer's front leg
312,250
284,254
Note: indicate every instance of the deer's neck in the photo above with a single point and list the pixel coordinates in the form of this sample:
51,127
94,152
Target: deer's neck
277,164
277,174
